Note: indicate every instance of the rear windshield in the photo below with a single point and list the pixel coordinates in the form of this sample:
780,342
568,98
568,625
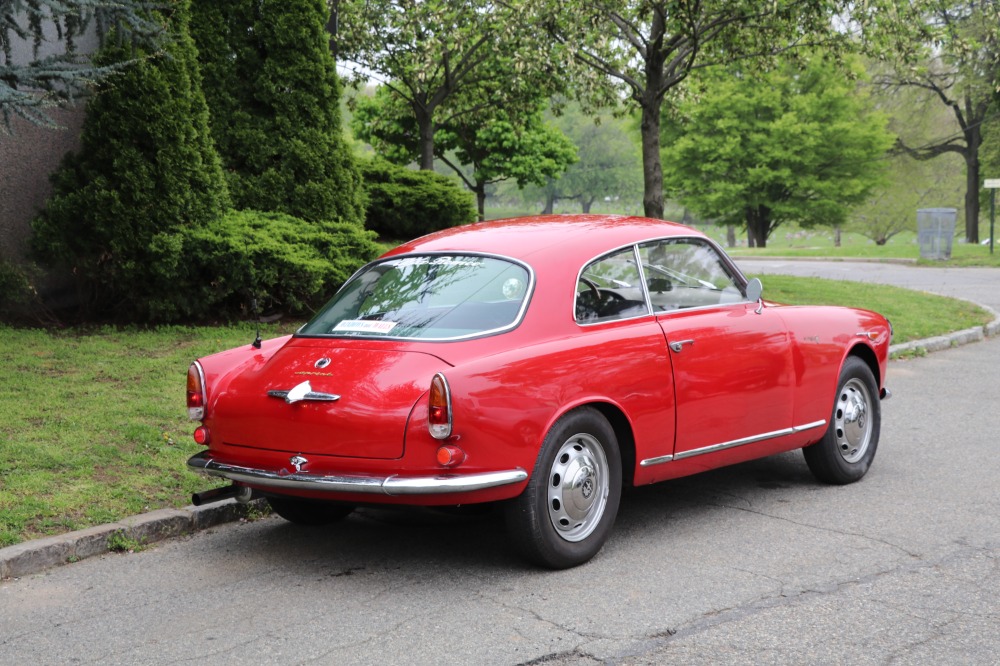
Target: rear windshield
427,297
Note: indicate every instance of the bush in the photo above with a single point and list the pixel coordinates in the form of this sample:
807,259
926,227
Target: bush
404,204
146,171
285,262
272,85
16,291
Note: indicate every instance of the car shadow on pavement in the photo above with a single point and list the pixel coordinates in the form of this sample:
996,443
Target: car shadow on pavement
474,537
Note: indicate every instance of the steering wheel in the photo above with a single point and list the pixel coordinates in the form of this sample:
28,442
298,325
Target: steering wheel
594,289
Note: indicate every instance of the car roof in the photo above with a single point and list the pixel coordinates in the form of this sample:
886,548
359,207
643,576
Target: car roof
535,239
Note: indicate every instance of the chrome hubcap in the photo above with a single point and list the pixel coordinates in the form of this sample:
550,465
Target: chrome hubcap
578,487
853,420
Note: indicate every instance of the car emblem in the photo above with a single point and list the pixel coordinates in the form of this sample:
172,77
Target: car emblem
322,363
297,462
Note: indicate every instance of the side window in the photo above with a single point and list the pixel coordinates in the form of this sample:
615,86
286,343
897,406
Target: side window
610,288
686,273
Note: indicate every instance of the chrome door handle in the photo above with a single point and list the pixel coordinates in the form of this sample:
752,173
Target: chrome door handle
679,345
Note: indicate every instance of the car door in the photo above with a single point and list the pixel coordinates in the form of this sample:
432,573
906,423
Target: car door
732,363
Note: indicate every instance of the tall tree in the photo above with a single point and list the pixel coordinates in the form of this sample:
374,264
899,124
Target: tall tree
793,144
639,50
272,85
55,73
146,172
961,50
426,52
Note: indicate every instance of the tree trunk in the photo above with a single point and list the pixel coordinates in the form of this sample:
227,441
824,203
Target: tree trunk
730,235
973,139
550,201
758,225
836,236
652,170
480,190
586,203
425,126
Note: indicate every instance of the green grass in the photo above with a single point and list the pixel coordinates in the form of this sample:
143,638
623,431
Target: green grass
93,425
914,315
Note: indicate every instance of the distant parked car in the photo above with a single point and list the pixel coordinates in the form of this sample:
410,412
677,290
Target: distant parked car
542,363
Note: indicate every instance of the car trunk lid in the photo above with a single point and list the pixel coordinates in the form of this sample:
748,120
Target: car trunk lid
356,403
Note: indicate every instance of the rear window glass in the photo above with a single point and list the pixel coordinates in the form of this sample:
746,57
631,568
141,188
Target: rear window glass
427,297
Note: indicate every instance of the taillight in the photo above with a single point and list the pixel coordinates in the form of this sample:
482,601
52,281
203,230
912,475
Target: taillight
439,411
196,392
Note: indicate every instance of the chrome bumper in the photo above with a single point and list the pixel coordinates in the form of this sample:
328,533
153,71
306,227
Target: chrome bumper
387,485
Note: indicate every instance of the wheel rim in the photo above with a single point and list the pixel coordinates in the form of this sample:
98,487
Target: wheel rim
578,487
853,420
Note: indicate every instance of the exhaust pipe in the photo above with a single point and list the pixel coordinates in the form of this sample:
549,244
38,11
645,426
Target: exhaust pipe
242,494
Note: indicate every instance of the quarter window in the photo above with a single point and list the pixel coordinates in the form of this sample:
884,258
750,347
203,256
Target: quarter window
610,288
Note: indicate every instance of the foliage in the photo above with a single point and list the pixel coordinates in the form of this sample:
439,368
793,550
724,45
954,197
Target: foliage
55,74
15,289
146,171
495,143
912,184
282,261
639,50
609,164
795,145
428,53
958,69
272,85
403,203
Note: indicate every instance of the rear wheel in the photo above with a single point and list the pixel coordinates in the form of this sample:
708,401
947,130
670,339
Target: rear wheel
567,511
846,451
309,512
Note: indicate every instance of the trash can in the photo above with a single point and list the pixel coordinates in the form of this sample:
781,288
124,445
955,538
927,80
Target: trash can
935,231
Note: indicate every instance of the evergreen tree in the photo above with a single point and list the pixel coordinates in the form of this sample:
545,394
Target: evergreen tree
272,85
146,174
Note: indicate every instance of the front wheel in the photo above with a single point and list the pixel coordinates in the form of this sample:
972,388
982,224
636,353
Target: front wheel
567,511
309,512
847,449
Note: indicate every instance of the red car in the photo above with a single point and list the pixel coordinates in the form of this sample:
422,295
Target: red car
541,363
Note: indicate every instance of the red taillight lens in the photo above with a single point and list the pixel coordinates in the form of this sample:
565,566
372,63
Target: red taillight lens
201,435
439,408
196,392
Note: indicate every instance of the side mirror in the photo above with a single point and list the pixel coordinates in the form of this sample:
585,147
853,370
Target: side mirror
754,290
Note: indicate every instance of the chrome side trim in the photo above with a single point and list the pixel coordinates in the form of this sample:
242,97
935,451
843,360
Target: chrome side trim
659,460
733,444
390,485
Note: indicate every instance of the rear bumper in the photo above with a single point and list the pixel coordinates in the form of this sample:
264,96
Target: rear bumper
387,485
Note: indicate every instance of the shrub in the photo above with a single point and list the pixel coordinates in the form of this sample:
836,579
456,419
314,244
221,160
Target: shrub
146,171
283,261
16,291
271,83
403,203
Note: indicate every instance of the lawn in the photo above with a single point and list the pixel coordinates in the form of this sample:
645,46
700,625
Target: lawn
93,425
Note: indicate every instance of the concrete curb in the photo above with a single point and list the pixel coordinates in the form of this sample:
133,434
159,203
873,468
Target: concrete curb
34,556
955,339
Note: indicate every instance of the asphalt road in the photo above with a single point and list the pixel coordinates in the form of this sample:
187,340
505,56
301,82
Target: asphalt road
752,564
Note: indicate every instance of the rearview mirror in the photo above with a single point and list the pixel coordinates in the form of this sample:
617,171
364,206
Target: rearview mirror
754,290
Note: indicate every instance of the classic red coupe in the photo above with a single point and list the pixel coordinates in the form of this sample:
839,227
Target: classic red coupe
541,363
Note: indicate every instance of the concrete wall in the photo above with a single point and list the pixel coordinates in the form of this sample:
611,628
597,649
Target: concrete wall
30,154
